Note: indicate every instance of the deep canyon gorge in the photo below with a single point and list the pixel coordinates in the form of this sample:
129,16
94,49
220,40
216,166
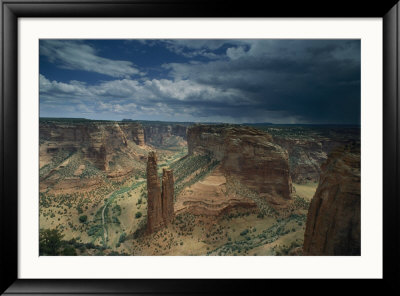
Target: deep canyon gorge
169,188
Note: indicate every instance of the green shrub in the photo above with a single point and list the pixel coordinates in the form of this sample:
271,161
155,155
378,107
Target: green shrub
244,232
122,237
49,241
95,230
116,220
83,218
138,215
69,251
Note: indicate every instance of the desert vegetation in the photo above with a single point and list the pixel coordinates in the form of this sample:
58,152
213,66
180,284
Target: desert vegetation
94,202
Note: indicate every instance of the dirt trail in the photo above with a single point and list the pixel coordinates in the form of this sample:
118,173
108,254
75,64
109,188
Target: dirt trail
110,199
104,225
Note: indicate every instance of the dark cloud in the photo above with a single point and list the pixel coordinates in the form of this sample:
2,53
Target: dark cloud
312,80
282,81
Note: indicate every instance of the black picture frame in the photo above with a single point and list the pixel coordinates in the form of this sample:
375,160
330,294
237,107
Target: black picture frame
389,11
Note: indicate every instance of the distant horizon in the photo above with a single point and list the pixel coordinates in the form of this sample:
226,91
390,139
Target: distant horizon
197,122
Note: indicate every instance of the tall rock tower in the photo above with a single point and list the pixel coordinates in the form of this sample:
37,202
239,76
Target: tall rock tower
154,205
167,196
160,205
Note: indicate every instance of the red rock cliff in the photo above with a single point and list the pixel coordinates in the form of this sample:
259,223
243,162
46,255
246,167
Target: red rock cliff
133,132
154,205
308,152
333,221
160,134
167,195
97,141
246,154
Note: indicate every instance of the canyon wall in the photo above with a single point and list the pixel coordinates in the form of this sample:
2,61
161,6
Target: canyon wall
333,221
308,148
247,155
97,141
160,203
305,158
160,134
133,132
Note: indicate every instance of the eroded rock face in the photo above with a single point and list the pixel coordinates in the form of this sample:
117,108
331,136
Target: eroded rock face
333,221
133,132
167,195
247,155
305,158
81,153
209,197
162,134
308,148
154,205
160,204
97,141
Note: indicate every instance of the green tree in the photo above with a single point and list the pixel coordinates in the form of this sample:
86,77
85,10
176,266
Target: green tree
69,251
83,219
122,238
49,241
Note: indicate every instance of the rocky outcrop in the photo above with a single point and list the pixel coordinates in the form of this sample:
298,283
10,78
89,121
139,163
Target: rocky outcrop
154,204
160,207
333,221
167,195
209,197
305,158
97,141
162,134
247,155
308,148
133,132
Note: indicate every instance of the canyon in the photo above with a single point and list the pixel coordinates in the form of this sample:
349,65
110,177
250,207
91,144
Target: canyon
308,147
246,156
164,188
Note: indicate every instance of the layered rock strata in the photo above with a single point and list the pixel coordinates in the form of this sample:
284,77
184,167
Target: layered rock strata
162,134
81,155
308,148
97,141
160,203
305,158
167,195
247,155
154,204
333,221
209,197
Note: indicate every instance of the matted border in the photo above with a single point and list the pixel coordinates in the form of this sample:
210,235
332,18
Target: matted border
11,10
368,265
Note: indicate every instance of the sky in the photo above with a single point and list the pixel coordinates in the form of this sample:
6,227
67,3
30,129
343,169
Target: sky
282,81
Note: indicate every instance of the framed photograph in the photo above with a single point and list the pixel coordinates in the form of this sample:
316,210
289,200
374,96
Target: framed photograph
197,147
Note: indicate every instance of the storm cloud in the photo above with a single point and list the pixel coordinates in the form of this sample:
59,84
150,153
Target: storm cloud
280,81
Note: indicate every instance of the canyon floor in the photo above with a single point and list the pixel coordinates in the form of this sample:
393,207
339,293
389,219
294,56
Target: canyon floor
214,215
115,213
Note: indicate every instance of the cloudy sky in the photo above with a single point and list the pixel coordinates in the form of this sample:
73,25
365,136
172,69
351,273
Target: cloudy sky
235,81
